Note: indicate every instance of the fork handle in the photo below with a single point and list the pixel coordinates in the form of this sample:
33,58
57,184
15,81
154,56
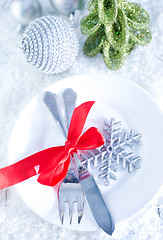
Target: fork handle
50,99
69,98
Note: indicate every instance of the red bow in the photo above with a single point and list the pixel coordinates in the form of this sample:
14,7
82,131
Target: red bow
52,163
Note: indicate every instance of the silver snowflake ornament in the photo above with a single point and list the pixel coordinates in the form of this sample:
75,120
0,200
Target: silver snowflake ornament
117,151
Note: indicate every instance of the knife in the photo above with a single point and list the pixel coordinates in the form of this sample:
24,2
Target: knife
95,200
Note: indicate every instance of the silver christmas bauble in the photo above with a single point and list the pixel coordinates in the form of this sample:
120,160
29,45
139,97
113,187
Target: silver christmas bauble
25,11
66,7
50,44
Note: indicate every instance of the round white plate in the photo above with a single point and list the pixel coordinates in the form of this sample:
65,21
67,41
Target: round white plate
36,130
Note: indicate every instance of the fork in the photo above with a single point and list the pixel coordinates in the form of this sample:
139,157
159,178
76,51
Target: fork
70,190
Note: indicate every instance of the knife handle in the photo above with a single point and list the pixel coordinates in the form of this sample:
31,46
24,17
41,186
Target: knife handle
97,205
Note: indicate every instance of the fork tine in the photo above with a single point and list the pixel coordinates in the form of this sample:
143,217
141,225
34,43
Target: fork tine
61,215
61,208
80,214
80,209
71,206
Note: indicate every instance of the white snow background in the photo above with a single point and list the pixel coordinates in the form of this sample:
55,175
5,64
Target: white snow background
19,83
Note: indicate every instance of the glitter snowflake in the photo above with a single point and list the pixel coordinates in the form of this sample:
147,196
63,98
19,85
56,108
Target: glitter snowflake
117,150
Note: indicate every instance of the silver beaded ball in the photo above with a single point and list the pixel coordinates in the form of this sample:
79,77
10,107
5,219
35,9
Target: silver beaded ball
50,44
25,11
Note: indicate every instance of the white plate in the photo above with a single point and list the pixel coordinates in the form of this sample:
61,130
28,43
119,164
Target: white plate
36,130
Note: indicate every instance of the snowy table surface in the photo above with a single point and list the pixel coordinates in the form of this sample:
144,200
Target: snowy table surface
19,83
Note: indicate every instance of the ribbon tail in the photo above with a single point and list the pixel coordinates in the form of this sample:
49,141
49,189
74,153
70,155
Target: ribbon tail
26,168
14,174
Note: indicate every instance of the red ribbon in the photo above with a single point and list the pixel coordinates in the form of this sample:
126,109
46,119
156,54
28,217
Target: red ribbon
53,163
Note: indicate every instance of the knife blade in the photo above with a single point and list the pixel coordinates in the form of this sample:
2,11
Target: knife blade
95,200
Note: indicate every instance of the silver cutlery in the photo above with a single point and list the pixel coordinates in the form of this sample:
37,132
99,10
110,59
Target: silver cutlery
95,200
50,99
92,192
70,190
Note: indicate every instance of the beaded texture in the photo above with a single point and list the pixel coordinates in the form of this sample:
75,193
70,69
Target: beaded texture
50,44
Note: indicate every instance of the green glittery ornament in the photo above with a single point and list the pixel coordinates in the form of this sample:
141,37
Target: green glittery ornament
90,23
92,5
113,28
113,58
142,36
94,43
107,11
117,33
137,17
